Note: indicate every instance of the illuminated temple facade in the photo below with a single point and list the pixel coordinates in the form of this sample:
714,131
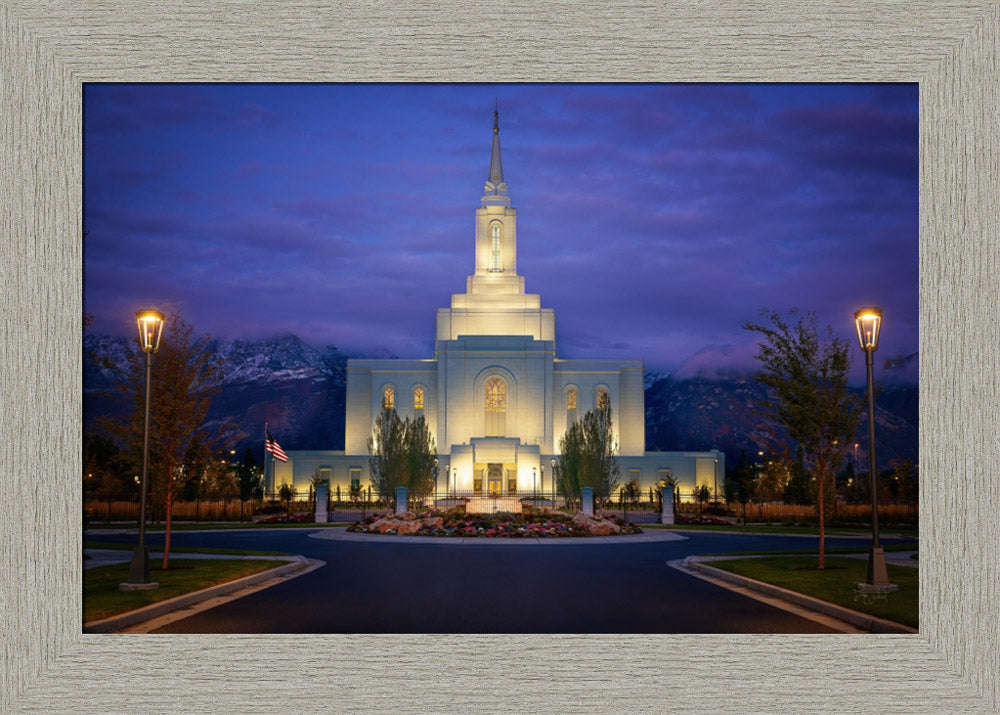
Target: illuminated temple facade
495,396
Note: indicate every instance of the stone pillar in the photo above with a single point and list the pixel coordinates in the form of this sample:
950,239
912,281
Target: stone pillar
321,491
587,497
400,500
667,515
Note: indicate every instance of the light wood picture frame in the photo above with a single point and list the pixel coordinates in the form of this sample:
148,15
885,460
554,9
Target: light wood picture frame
49,49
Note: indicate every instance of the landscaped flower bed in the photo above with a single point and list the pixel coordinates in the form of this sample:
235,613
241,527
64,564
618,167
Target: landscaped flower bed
536,524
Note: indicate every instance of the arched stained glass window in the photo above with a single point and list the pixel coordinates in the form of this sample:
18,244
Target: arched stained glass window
496,238
388,399
602,399
418,398
496,395
571,399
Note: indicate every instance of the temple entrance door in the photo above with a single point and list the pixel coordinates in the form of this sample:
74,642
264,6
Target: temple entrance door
494,477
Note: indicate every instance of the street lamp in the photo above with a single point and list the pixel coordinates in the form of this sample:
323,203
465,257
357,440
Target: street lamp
150,324
869,322
534,481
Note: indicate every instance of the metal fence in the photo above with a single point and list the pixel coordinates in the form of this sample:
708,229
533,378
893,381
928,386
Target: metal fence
352,507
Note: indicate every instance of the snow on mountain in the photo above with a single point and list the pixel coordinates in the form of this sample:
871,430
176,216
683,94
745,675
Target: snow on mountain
300,391
278,359
719,362
900,370
651,378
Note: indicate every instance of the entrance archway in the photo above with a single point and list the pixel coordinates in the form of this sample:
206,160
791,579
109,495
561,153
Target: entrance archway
494,479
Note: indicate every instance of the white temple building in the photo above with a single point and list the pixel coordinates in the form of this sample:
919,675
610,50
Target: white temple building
496,397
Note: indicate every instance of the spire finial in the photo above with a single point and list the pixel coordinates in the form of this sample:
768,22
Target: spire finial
496,117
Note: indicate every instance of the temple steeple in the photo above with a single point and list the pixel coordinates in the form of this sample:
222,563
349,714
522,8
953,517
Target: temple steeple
495,192
496,166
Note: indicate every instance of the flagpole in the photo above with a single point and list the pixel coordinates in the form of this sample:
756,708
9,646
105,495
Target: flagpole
268,461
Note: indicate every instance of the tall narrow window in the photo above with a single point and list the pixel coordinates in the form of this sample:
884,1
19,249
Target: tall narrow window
495,235
418,398
570,406
602,399
388,399
496,407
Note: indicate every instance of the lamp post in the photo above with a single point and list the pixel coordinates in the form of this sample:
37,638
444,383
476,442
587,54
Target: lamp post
150,324
534,481
869,322
552,478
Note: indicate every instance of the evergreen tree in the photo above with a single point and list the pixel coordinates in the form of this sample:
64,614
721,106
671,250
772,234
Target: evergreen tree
401,454
588,458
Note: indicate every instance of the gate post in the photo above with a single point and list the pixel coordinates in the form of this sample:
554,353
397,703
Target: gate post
667,511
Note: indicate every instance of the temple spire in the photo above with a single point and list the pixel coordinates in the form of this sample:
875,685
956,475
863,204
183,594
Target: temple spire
495,192
496,166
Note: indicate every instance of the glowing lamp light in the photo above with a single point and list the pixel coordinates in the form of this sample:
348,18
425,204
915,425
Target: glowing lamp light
868,322
150,324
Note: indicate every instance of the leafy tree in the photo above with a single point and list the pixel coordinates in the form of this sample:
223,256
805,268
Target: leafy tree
905,484
806,376
587,456
286,493
702,494
420,452
386,456
184,378
800,488
107,472
195,467
401,454
773,477
744,482
248,480
221,481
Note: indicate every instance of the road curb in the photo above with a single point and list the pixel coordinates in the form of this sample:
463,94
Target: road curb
116,623
341,534
861,620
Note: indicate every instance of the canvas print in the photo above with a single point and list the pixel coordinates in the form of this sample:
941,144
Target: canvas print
326,390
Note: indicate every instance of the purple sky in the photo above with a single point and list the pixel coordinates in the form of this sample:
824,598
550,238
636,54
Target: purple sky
654,219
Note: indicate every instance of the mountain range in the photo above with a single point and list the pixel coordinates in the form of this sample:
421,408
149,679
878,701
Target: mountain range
299,391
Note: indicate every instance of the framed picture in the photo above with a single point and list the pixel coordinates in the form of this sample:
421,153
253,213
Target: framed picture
949,48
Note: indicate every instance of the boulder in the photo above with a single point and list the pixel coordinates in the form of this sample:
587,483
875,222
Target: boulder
408,527
432,522
595,525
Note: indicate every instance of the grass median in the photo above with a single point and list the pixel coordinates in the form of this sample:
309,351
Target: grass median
102,599
905,532
155,548
835,583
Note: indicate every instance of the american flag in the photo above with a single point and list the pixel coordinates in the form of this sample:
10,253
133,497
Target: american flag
274,448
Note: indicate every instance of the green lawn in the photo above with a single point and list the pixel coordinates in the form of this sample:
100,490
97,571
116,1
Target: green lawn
780,529
908,546
196,526
92,544
101,597
835,583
